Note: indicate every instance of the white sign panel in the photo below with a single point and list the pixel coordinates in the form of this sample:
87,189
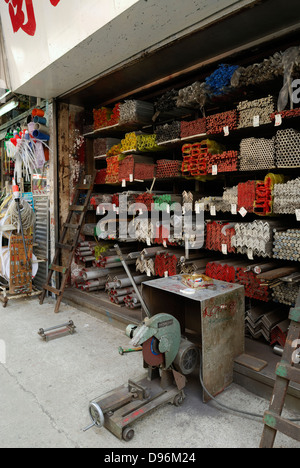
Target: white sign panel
38,32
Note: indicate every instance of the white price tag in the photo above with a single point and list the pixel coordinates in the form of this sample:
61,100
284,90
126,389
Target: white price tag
166,274
215,169
226,131
297,213
250,254
233,209
148,241
278,120
224,249
243,212
123,183
148,272
256,121
168,208
130,177
213,210
165,244
197,208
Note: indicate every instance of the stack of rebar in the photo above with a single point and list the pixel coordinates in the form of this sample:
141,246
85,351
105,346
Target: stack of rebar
287,245
255,112
287,148
257,154
286,197
195,127
287,114
166,169
217,123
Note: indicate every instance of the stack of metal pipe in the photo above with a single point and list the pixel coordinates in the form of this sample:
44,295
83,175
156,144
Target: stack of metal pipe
288,148
257,154
286,197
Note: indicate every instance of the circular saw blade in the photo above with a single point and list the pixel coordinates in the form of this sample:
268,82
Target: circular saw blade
151,354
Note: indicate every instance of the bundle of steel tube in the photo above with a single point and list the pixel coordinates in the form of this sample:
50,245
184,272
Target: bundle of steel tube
217,123
166,169
105,116
255,288
219,236
287,114
134,112
112,171
287,245
168,132
195,157
288,148
286,197
194,95
85,252
224,162
136,167
259,109
195,127
100,176
246,195
144,171
257,153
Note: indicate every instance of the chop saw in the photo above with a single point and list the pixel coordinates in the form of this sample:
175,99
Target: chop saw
168,358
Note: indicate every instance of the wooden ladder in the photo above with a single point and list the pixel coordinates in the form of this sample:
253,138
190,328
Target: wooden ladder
83,188
286,372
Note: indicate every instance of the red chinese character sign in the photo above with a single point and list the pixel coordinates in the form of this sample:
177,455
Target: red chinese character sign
22,15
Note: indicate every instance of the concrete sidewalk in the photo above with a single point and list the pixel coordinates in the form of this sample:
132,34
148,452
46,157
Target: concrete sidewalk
45,389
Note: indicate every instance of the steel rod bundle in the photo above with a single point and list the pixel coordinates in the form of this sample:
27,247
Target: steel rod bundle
287,145
246,195
168,132
224,162
287,245
102,145
217,123
100,178
195,127
259,109
286,293
287,114
166,102
257,153
219,82
258,73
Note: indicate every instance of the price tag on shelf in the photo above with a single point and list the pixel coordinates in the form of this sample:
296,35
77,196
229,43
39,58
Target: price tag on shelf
148,241
215,169
224,249
233,209
278,120
297,213
130,177
250,254
226,131
165,244
166,274
256,121
123,183
243,212
213,210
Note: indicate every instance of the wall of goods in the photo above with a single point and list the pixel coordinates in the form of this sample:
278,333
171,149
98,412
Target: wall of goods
231,149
